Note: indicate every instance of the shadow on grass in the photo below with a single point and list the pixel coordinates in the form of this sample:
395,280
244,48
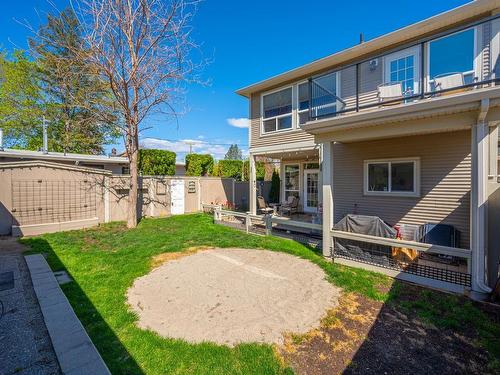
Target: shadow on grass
116,356
414,331
422,331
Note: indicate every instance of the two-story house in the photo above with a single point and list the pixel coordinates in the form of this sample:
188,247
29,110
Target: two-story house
403,127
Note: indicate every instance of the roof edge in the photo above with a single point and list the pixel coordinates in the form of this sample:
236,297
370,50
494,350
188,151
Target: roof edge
40,163
447,18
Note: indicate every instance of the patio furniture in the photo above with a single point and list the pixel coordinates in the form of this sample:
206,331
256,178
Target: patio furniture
439,234
276,207
390,91
262,206
290,206
448,81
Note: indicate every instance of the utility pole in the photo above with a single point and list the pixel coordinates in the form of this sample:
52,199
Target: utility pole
191,144
45,124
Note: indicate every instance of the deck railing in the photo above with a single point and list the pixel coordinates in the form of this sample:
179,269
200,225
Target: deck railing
453,61
300,231
440,263
443,267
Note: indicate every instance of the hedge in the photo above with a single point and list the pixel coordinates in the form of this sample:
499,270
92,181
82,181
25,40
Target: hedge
199,164
156,162
229,168
260,170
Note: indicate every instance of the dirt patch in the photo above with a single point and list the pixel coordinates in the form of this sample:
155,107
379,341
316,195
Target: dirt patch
162,258
366,336
230,296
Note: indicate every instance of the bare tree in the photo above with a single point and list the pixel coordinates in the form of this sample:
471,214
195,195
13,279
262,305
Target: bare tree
143,50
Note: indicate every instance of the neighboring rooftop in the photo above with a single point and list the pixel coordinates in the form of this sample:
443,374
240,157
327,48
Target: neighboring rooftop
469,11
28,154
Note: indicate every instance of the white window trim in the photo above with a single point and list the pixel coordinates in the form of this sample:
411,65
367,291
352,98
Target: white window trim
416,174
415,51
264,133
475,66
298,164
304,188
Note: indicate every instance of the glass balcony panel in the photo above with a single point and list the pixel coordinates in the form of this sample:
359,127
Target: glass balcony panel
371,75
451,59
334,93
450,65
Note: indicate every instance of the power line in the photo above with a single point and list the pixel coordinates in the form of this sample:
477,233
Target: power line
191,142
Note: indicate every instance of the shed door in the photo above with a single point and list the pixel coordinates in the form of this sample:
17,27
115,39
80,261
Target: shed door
177,197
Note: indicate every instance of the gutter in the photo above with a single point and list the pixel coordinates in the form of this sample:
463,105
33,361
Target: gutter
445,19
462,102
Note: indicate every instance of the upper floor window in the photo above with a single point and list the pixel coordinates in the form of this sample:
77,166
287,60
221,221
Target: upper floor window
277,110
451,60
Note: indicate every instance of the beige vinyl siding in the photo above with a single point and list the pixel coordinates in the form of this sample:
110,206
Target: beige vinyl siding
445,180
270,139
368,90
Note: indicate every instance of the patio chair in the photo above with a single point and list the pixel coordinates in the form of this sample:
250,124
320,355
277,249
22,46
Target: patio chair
390,91
449,81
262,206
291,205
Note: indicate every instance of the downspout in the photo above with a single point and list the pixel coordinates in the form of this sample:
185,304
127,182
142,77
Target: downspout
480,202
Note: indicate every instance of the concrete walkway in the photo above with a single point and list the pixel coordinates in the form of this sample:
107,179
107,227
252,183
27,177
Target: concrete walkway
74,349
25,346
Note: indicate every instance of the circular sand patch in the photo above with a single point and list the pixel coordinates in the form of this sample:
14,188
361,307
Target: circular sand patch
229,296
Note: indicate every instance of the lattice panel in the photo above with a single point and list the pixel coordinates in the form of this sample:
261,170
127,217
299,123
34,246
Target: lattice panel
433,266
44,201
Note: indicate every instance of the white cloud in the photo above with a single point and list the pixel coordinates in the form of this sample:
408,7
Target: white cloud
182,147
239,122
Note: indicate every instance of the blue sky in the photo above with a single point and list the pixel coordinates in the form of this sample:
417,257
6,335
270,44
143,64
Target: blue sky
248,41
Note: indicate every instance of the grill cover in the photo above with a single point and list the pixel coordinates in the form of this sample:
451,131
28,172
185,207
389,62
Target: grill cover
365,251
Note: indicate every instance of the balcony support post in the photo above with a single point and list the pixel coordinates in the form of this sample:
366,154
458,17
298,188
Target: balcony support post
479,202
327,188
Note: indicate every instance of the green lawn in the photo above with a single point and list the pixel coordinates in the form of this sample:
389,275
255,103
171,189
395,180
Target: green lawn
105,261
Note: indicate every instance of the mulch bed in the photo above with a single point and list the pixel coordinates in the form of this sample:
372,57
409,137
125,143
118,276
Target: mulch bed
362,336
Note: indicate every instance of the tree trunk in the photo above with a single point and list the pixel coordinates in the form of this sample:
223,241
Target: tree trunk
132,218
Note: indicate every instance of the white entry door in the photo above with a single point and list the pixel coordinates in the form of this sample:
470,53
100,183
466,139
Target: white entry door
177,197
311,189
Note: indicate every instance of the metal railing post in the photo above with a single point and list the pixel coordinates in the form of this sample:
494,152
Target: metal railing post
310,98
247,223
358,85
422,70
